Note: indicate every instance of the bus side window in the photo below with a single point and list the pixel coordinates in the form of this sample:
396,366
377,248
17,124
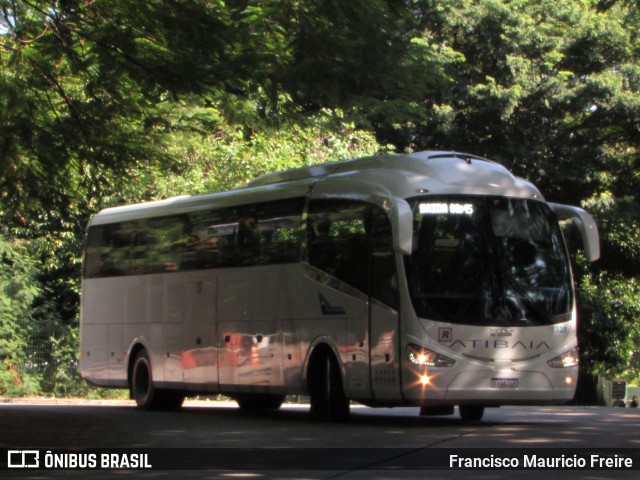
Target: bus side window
248,247
270,233
353,242
94,253
258,234
322,249
114,250
337,241
119,240
384,283
164,238
210,239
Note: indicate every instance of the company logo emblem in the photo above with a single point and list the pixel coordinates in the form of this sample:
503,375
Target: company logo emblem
495,344
23,459
445,334
327,309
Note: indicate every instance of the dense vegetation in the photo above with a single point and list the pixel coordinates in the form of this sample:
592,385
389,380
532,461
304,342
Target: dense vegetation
105,102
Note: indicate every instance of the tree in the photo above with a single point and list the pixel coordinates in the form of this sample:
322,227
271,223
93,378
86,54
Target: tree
551,90
18,289
110,102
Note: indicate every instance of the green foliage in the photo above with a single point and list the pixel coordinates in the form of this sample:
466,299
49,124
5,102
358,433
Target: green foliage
610,332
18,290
549,88
62,376
230,157
552,90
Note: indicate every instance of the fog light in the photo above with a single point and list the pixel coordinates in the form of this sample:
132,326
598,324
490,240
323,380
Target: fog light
424,380
568,380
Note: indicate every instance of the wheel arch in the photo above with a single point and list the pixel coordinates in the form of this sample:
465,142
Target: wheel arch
320,348
136,347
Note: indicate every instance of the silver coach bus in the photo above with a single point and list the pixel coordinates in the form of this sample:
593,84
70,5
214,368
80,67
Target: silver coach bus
432,279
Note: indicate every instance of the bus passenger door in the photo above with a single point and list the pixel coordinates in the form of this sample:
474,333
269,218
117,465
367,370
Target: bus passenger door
354,347
353,243
383,311
384,352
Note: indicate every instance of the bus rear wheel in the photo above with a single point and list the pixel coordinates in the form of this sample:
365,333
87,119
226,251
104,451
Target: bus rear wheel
328,400
471,413
144,392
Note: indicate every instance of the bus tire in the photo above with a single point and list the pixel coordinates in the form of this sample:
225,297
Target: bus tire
471,413
328,400
259,401
434,410
144,392
169,399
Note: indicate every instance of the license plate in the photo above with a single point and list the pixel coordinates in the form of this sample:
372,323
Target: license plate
504,383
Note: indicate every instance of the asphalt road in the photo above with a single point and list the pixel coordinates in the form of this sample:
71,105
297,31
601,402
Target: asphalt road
382,443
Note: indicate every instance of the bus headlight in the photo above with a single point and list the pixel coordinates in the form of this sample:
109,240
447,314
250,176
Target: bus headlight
567,359
425,357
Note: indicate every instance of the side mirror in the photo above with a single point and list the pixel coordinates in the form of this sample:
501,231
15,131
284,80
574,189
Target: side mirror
402,224
586,225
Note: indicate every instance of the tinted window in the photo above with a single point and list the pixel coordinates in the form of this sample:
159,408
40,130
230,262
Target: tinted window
248,235
337,241
352,242
384,286
488,261
239,236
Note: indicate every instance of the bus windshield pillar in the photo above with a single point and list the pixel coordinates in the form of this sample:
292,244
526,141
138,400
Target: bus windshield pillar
402,224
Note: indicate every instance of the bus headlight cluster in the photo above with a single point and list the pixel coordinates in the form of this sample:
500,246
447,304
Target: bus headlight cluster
425,357
567,359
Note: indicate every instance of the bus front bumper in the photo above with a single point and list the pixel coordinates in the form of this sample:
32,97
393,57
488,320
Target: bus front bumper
491,387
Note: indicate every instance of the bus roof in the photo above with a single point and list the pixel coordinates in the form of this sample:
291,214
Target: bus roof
393,176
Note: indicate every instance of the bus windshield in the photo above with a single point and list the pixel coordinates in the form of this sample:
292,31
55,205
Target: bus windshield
488,261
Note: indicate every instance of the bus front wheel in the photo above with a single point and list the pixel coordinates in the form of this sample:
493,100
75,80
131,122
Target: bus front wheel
144,392
328,400
471,413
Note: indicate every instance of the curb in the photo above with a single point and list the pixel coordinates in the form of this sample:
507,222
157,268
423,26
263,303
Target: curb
103,402
64,401
43,401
